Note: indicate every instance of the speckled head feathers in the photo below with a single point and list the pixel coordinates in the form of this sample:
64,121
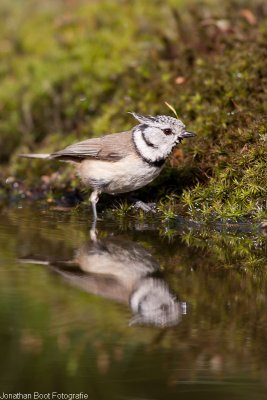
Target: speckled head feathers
159,121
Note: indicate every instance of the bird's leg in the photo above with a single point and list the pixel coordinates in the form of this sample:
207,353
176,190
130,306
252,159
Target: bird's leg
94,199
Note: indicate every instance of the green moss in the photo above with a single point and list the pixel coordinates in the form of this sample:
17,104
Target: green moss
237,190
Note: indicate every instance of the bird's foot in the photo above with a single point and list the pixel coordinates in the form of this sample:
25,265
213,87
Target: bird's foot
146,207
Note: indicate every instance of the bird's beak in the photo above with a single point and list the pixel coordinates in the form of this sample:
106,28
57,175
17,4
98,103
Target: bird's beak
185,135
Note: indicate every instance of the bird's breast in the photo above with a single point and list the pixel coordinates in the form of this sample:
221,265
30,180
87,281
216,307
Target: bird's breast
125,175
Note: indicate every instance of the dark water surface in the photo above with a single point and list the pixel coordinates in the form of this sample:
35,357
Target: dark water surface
141,313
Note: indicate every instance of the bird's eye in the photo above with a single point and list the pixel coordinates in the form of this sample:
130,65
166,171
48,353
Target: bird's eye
167,131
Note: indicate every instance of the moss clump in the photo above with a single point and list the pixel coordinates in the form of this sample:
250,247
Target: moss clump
72,77
236,191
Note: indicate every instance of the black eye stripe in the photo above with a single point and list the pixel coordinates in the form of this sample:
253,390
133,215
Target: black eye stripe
167,131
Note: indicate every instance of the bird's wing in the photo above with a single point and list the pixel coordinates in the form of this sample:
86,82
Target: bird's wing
109,148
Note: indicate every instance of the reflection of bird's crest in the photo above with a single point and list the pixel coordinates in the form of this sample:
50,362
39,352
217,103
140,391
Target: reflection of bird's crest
153,303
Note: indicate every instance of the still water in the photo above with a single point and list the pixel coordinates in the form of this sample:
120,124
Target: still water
143,311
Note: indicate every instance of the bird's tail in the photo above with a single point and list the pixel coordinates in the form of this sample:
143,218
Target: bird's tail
42,156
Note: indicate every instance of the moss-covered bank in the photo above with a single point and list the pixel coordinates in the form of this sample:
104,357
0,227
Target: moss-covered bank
72,70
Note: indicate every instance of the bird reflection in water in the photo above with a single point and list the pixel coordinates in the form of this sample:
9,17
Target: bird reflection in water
123,271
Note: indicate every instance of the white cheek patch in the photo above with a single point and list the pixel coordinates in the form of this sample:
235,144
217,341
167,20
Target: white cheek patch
153,145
